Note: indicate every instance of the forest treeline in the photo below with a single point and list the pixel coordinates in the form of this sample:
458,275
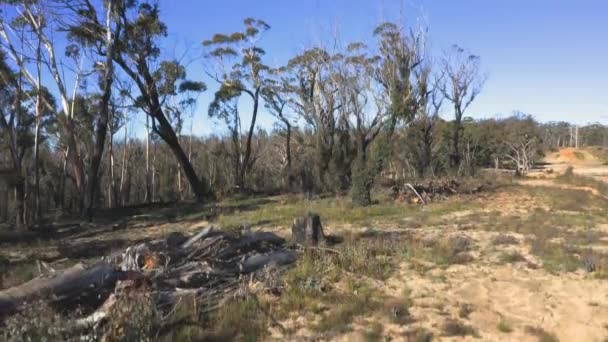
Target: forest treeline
74,73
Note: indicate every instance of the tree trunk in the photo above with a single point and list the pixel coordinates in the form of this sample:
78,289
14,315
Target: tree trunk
37,212
93,184
288,154
101,128
3,202
246,160
361,188
199,186
20,221
123,167
77,165
148,195
455,158
112,198
64,176
147,86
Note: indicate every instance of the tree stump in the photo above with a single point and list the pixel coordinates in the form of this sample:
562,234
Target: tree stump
307,230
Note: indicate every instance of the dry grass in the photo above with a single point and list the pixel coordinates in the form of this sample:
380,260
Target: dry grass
454,327
505,239
511,257
541,334
569,177
465,310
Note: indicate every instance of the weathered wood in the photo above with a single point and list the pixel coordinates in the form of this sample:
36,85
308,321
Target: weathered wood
72,282
276,258
248,241
201,235
416,192
307,230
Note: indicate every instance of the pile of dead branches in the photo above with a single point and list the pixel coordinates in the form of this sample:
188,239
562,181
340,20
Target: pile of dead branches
431,190
204,268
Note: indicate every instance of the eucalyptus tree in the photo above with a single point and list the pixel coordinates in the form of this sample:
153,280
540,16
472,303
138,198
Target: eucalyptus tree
276,101
36,16
225,108
401,56
179,97
463,82
136,54
15,123
97,34
240,70
313,97
424,144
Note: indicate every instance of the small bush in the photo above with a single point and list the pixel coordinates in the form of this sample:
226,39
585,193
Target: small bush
36,323
555,257
418,334
511,257
505,239
454,250
453,327
398,311
504,326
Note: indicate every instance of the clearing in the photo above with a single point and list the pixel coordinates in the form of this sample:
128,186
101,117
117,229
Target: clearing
524,261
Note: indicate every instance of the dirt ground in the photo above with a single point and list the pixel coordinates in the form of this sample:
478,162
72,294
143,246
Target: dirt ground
511,291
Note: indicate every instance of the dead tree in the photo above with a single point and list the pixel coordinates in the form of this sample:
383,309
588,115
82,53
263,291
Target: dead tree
461,86
521,154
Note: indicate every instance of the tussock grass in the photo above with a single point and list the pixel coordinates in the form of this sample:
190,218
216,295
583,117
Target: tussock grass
511,257
555,257
454,327
240,320
505,239
418,334
504,326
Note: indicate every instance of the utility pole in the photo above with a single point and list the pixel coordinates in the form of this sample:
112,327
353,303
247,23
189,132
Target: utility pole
576,136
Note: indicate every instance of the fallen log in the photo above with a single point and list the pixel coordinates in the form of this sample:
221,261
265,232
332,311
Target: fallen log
73,282
277,258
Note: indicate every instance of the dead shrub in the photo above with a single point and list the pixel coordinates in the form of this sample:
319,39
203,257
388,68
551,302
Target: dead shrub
505,239
454,327
465,310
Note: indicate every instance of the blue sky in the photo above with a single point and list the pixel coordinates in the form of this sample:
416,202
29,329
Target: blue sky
548,58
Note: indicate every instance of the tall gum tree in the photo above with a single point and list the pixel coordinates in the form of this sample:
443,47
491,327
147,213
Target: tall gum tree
136,54
245,75
461,86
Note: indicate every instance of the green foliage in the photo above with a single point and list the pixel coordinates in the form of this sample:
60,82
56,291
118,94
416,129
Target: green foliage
362,183
504,326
